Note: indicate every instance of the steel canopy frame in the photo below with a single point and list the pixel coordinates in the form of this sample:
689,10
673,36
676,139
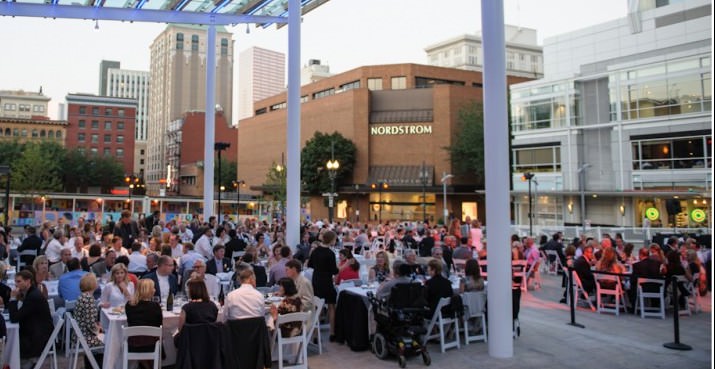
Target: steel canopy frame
209,13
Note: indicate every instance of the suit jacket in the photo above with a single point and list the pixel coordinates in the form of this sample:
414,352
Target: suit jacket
32,242
128,232
211,266
646,268
583,269
173,283
436,288
57,270
35,322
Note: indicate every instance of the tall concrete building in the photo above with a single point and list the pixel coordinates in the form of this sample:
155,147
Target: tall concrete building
623,120
131,84
523,54
261,73
178,75
104,66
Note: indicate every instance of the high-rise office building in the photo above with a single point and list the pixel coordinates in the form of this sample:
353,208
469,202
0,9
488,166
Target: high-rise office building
261,73
621,122
178,75
523,54
131,84
104,66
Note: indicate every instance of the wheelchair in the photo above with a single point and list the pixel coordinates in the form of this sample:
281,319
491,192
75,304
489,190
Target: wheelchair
400,323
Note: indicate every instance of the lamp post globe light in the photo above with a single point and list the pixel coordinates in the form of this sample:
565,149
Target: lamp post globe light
379,186
333,165
237,185
444,179
582,191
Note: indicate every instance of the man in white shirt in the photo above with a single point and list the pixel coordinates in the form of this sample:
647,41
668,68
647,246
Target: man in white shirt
117,246
245,301
77,249
199,272
177,249
185,233
55,246
137,261
203,244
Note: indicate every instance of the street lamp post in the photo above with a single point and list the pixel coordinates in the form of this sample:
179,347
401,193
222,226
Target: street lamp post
423,177
221,189
333,165
444,179
220,146
280,168
237,185
132,182
5,169
528,176
582,191
379,186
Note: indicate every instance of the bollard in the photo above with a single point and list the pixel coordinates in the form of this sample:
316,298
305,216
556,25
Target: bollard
572,300
676,345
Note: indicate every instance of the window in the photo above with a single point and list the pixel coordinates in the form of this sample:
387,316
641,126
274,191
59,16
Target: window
120,112
50,134
107,125
672,153
323,93
95,124
95,138
80,136
278,106
120,139
23,132
58,134
141,152
82,110
224,47
107,138
141,161
179,41
9,106
43,133
422,82
15,132
120,125
7,132
398,83
81,124
95,110
38,108
93,151
120,153
107,151
81,150
107,111
24,107
374,84
350,85
35,133
536,159
194,42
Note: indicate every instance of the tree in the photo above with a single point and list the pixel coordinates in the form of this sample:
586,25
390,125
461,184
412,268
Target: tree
34,173
276,183
228,172
316,153
108,173
467,150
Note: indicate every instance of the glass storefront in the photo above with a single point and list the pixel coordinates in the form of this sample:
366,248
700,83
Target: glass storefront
401,206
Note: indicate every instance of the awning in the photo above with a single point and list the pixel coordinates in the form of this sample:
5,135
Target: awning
402,175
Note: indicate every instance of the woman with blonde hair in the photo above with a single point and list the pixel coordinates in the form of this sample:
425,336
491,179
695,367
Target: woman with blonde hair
119,289
143,311
381,270
41,273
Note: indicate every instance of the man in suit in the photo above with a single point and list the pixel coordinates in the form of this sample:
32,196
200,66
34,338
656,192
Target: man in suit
60,268
152,220
582,266
646,267
126,229
165,281
33,316
31,242
219,263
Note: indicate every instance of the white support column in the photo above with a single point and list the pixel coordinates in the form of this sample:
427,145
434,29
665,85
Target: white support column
496,151
292,211
210,121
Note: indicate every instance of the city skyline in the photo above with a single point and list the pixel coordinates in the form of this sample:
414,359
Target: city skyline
341,42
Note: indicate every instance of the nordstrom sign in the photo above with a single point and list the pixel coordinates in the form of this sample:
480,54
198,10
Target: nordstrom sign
418,129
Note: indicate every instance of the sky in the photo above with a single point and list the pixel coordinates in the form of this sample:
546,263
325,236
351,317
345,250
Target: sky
63,56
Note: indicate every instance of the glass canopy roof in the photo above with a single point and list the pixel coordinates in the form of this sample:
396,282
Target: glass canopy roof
264,12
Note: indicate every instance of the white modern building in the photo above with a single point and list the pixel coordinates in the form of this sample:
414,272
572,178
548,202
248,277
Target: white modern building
23,104
261,74
627,106
314,72
130,84
178,84
523,54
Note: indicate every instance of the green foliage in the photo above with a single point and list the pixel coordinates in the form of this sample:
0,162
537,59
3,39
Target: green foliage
228,173
316,153
276,182
34,172
467,150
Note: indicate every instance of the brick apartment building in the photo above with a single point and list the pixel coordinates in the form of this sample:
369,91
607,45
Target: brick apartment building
398,116
102,125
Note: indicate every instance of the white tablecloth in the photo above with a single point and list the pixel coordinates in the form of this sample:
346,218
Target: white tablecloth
112,325
11,354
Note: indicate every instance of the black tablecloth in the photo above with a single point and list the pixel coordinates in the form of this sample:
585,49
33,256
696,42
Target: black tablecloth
351,321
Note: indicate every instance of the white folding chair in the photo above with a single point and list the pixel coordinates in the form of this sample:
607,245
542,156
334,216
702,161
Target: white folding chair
642,296
688,287
602,305
534,271
483,268
578,290
554,266
301,360
459,265
141,331
314,326
69,308
442,323
474,303
20,254
694,298
520,269
81,341
50,347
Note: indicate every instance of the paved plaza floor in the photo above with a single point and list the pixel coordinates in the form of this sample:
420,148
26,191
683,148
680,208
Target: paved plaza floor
546,341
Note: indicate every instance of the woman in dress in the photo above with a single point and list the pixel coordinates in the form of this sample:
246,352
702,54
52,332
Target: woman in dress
119,290
142,311
322,260
200,309
85,311
348,268
290,304
381,270
41,272
275,255
472,280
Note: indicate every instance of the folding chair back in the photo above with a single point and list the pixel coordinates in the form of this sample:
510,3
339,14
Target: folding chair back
474,304
144,331
81,341
301,339
642,295
50,347
442,323
314,325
